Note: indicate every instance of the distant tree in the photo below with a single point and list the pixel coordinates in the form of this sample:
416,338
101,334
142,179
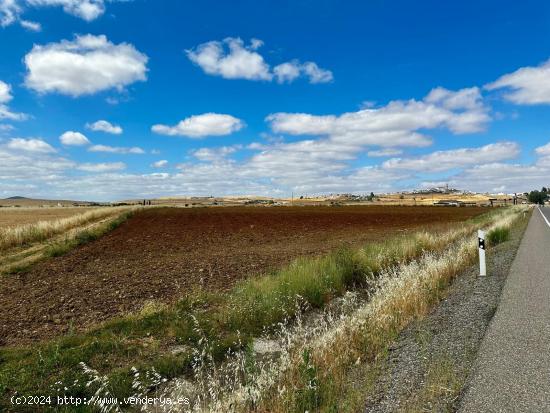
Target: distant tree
537,197
544,189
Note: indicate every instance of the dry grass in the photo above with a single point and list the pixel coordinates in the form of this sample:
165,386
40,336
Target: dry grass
404,293
14,217
311,373
25,234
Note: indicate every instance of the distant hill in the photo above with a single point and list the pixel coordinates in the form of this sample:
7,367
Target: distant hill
22,201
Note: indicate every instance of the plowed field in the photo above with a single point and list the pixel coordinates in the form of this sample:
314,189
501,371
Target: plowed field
164,253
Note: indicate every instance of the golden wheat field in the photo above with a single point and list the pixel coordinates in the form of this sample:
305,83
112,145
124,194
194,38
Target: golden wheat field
13,217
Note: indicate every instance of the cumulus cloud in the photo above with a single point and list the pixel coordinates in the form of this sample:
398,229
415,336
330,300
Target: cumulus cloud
316,74
160,164
11,10
5,92
200,126
104,126
456,158
30,25
5,97
20,167
502,177
384,152
6,128
543,150
239,62
233,59
116,149
526,86
214,154
467,99
101,167
71,138
265,173
85,9
86,65
289,71
30,145
396,124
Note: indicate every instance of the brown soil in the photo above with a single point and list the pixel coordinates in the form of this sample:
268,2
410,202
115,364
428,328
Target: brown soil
163,253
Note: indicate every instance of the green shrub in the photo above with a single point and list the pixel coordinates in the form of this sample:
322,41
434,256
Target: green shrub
498,235
59,249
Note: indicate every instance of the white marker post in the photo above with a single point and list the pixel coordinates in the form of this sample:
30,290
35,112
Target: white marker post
481,244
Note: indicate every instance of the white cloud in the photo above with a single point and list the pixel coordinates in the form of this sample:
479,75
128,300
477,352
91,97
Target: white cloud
396,124
287,72
232,59
32,26
527,85
11,11
214,154
317,74
468,98
543,150
199,126
71,138
5,92
160,164
101,167
20,166
116,149
6,128
240,62
5,97
84,66
30,145
85,9
6,113
384,152
456,158
503,177
304,167
104,126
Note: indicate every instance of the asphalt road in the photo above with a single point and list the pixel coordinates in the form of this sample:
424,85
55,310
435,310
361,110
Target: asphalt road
512,371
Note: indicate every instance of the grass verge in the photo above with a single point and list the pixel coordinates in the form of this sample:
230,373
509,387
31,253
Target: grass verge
83,237
403,294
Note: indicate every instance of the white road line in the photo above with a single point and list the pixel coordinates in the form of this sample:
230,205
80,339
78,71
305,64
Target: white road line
544,216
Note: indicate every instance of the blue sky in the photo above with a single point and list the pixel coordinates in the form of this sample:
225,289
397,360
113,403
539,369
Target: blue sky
129,99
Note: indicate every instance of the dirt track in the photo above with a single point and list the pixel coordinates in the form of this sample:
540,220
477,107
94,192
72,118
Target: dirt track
162,254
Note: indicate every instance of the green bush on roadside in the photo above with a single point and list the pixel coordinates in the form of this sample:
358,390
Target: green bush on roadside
498,235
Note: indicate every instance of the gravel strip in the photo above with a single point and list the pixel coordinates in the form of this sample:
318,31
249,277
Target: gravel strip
428,364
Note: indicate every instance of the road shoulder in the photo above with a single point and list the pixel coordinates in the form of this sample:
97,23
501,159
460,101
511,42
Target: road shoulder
427,366
513,365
